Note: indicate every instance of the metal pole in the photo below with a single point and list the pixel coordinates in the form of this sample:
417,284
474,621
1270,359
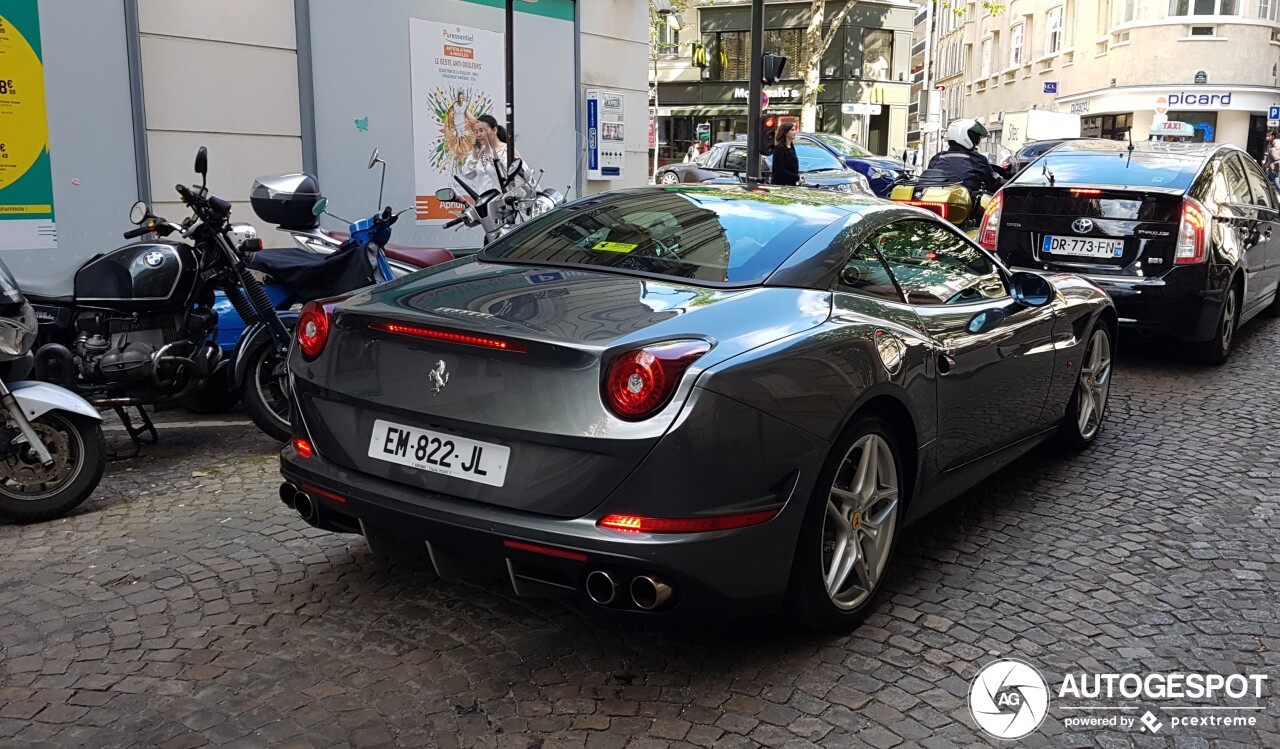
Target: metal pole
306,85
753,94
511,80
654,111
137,101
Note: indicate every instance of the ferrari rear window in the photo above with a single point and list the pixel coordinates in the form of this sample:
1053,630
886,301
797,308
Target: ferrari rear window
715,235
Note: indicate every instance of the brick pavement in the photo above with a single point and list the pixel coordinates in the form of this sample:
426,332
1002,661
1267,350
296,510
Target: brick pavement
183,606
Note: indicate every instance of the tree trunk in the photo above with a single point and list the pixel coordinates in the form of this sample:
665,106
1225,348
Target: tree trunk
815,46
811,75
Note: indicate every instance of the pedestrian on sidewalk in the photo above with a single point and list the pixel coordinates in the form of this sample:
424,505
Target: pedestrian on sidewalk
1272,161
786,164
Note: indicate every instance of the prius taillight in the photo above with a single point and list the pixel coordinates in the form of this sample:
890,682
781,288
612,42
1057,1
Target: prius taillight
990,230
1192,233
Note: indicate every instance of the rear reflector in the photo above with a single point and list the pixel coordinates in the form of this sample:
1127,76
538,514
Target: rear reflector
637,524
302,448
323,493
547,550
447,336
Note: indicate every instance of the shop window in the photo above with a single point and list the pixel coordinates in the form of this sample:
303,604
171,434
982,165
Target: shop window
877,54
790,44
1107,126
733,56
1053,33
1205,123
1203,7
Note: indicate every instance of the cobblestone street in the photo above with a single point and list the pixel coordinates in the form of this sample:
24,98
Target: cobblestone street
184,606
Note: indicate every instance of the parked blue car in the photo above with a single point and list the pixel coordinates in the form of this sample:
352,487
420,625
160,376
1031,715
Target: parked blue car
881,171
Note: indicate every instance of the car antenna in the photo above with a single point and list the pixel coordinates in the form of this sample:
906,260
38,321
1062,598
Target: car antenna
1129,158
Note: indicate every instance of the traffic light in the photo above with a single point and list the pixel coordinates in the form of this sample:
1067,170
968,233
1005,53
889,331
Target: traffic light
771,67
768,123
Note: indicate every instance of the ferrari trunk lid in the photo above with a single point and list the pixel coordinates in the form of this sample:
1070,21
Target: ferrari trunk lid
496,371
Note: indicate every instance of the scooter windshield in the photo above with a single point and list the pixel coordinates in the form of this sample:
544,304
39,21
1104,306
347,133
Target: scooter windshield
9,291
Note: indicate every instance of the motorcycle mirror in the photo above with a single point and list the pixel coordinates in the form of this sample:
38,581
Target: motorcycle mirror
373,159
319,207
202,162
138,213
516,170
446,195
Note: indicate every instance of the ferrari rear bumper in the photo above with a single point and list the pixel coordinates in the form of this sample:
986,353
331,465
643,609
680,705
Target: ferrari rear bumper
737,572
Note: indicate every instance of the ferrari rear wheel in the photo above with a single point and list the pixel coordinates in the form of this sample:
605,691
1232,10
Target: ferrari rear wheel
849,531
1088,404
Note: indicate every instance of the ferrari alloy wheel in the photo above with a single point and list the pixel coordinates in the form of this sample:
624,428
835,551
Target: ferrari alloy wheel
1088,405
669,178
848,536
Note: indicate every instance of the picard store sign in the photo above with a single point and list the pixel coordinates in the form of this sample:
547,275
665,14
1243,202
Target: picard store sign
1199,99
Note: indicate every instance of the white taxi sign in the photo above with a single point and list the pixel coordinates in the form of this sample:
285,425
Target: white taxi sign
1172,129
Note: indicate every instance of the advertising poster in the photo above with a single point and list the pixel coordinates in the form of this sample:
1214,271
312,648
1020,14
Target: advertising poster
26,180
456,75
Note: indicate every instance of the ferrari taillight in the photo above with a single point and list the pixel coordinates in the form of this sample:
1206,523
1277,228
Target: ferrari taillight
313,330
640,382
1191,233
990,230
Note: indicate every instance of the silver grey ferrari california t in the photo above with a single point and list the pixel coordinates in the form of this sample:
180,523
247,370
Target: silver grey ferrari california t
676,399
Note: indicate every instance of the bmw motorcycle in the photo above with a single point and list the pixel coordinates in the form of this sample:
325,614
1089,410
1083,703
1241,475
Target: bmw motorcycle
51,448
138,326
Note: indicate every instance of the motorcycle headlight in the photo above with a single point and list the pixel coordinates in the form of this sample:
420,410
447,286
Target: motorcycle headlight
17,330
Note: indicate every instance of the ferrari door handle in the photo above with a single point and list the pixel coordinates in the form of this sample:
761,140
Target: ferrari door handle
946,363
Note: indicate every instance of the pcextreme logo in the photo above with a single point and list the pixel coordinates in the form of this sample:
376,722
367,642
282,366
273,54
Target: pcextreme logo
1009,699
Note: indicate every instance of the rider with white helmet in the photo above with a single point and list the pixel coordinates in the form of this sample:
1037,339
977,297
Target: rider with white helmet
962,162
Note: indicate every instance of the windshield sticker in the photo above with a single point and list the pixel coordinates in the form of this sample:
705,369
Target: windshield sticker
614,246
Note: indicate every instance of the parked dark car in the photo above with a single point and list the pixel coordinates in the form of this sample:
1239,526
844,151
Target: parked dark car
881,171
1030,152
725,162
715,399
1182,236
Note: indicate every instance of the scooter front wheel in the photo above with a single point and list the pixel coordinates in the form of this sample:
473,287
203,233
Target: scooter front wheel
30,491
266,390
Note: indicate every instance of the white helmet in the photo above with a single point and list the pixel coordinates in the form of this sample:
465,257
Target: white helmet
968,133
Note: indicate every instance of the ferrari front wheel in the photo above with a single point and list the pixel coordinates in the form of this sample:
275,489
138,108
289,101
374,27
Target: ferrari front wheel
849,531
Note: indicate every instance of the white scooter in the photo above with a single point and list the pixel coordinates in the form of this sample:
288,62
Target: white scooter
52,453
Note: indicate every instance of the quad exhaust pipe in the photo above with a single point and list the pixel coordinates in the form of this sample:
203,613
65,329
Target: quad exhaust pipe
647,593
600,587
295,498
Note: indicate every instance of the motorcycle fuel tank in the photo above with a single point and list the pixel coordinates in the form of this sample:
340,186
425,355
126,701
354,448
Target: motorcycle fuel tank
136,277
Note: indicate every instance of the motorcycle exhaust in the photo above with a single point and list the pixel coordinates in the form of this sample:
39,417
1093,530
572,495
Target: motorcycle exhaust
305,506
601,588
288,491
649,593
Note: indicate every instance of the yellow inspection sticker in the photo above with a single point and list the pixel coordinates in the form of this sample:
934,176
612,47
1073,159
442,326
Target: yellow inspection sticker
614,247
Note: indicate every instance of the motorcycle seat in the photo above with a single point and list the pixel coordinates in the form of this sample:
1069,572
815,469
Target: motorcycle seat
50,288
419,257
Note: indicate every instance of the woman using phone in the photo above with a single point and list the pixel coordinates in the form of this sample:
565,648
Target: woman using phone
488,155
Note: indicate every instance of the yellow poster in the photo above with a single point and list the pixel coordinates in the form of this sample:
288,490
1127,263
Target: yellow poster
26,178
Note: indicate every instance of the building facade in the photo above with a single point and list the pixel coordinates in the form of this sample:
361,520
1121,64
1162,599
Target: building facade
132,88
1119,64
702,74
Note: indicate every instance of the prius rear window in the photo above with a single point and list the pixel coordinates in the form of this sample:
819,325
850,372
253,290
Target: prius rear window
1112,169
719,236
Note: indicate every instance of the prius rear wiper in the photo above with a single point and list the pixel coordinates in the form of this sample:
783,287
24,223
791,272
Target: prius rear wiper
1044,169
